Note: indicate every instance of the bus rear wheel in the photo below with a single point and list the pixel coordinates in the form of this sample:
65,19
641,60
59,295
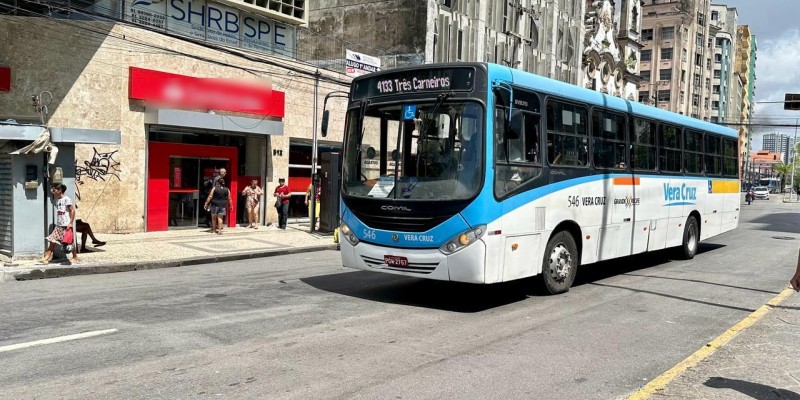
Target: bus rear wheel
560,264
691,239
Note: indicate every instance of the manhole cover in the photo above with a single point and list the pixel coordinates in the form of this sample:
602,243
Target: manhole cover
783,237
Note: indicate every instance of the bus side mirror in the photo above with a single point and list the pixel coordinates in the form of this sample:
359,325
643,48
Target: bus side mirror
516,125
324,126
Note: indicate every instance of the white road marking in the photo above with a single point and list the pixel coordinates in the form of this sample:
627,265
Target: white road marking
56,340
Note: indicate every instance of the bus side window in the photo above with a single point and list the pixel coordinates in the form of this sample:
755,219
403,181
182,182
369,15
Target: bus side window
643,145
567,143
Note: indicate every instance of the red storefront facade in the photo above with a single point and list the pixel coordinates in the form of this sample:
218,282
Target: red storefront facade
187,148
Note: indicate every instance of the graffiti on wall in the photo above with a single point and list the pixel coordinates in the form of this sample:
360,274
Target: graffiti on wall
101,167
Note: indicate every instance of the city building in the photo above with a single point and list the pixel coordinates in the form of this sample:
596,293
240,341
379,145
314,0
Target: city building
186,97
540,36
723,86
676,61
763,164
745,69
611,57
778,143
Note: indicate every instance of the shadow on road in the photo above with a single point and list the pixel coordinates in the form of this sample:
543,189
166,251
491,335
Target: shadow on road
470,298
751,389
779,222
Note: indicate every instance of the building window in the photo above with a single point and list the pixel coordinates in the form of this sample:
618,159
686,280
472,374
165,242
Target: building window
645,75
695,100
699,41
697,79
701,19
644,97
666,54
720,41
716,89
664,95
698,60
665,75
647,34
682,97
715,105
647,55
715,15
717,58
717,74
684,55
715,119
667,33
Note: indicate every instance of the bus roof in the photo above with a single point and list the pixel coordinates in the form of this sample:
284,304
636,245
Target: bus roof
551,86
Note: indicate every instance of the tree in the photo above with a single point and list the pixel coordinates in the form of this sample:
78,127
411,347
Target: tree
783,170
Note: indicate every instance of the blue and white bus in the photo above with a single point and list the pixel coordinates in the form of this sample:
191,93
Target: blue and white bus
482,173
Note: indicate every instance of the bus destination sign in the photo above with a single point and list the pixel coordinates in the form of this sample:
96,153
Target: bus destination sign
416,81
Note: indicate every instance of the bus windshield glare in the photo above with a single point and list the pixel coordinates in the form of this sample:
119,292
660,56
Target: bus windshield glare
420,151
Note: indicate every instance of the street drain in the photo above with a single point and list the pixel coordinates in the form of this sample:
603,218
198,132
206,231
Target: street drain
783,237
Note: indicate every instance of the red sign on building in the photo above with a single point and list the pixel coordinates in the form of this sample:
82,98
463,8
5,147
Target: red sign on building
5,79
186,92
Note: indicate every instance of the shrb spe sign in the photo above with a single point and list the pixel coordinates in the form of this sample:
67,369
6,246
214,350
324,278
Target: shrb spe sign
360,64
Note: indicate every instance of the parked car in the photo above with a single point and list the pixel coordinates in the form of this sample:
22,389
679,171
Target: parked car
762,192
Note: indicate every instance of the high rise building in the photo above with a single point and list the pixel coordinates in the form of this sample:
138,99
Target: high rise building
745,69
778,143
541,36
676,63
722,81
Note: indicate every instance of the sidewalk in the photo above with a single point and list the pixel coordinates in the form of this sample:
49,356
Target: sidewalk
760,362
137,251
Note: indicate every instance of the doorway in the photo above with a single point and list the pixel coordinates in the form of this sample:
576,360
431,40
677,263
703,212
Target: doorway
190,182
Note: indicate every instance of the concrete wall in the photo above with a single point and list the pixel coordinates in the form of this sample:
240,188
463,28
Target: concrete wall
85,66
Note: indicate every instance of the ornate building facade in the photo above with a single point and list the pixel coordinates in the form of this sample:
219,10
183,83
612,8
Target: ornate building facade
611,56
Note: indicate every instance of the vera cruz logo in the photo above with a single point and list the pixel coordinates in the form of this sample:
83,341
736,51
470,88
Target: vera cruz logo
679,195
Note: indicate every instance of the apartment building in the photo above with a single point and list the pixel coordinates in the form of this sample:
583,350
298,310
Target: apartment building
778,143
676,61
723,87
541,36
745,68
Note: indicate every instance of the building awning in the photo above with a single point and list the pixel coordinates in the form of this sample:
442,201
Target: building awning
26,132
194,119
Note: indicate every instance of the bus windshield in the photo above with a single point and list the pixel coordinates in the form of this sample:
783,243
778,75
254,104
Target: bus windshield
420,151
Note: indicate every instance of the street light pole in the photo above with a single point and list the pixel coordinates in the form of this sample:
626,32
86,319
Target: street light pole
313,198
794,152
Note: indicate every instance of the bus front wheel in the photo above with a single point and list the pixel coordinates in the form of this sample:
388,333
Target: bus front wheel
560,263
691,238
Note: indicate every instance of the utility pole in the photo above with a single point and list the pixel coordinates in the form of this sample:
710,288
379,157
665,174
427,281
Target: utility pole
313,198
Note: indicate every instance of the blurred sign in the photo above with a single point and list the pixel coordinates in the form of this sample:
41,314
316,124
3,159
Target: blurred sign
360,64
186,92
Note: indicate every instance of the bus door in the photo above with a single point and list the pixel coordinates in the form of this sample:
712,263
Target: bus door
609,148
643,159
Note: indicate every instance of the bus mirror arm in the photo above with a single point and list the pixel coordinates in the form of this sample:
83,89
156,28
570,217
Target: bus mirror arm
326,113
514,123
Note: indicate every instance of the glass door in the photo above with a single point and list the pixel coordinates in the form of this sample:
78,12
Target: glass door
183,192
209,169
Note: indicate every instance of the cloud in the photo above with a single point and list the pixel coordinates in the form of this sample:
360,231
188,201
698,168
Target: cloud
777,73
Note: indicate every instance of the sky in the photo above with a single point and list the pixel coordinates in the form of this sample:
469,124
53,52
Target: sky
776,26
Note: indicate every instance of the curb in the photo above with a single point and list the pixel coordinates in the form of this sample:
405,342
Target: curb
63,271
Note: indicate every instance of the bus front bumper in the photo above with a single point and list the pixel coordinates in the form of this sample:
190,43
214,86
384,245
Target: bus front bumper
466,265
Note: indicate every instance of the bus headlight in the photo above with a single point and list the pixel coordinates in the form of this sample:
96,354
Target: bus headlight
348,234
463,240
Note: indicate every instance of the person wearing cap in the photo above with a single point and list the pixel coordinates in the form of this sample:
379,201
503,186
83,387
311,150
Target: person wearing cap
283,194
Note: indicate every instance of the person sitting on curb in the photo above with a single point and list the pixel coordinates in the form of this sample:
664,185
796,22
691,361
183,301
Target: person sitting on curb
86,231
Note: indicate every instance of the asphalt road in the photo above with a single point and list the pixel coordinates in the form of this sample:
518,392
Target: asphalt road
303,327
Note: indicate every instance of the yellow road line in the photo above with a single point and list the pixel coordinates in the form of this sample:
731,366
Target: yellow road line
661,382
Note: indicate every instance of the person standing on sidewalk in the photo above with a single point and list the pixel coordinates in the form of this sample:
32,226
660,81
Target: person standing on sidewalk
65,217
252,195
795,281
316,203
283,193
220,201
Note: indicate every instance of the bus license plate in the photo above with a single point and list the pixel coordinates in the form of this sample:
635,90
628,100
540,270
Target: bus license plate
395,261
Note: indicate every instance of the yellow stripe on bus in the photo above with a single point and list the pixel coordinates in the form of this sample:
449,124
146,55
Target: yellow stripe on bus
724,187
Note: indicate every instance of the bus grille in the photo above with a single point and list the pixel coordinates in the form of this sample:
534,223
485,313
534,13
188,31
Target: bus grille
419,268
401,224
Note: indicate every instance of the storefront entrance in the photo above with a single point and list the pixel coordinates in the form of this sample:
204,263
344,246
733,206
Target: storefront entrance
179,180
191,181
